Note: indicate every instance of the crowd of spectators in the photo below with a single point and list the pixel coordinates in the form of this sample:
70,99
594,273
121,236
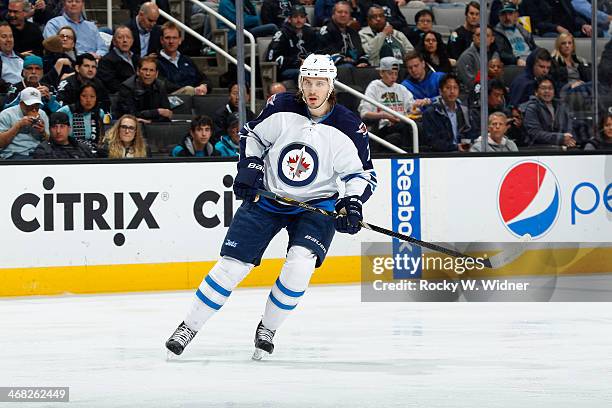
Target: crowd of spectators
71,90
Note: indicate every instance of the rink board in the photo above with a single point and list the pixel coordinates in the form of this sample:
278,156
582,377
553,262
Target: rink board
87,228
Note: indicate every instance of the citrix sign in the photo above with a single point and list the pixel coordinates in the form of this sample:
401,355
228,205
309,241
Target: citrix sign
93,206
210,219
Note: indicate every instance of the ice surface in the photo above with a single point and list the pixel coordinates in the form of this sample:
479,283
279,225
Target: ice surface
334,351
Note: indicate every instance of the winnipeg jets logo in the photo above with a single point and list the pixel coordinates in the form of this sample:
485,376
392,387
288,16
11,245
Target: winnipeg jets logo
270,101
298,165
363,129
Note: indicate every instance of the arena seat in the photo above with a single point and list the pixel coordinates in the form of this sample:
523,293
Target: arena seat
208,104
409,13
160,136
451,17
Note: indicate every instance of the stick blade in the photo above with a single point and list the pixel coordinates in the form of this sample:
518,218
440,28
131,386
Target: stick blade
509,255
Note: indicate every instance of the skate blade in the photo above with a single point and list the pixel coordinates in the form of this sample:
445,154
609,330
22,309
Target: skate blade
170,356
259,354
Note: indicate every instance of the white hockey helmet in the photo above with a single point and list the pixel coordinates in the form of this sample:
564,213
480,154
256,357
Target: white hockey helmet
318,66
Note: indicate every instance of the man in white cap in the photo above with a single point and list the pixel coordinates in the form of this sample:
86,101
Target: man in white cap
394,96
297,147
23,126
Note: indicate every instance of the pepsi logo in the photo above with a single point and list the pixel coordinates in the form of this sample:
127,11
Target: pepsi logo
298,165
528,199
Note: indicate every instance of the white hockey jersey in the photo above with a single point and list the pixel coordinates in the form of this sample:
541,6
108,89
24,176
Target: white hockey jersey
303,159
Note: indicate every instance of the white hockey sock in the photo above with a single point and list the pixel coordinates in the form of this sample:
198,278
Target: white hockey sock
290,286
215,289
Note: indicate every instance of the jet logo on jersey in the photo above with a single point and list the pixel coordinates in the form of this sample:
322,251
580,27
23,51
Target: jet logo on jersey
298,165
529,199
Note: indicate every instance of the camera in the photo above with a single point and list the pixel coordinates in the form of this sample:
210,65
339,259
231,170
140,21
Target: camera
35,121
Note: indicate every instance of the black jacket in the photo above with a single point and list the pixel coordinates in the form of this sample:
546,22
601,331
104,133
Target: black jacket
142,101
113,70
28,39
276,11
439,130
286,48
74,150
339,46
221,119
542,127
393,14
154,43
68,92
558,70
546,15
187,74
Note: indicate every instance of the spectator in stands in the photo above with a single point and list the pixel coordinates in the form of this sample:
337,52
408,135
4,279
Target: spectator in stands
60,145
604,141
229,145
120,63
135,6
124,140
324,9
86,68
517,131
86,117
180,73
291,44
394,96
393,14
60,55
39,11
512,41
197,142
23,126
461,38
341,41
495,70
497,5
88,36
496,101
225,113
32,76
27,35
446,122
550,18
524,85
604,13
145,31
433,50
497,141
424,21
11,64
143,95
276,87
380,39
277,12
567,67
547,121
422,83
252,22
468,63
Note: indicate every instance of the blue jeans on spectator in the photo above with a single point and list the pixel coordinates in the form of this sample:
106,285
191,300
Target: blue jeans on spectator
291,73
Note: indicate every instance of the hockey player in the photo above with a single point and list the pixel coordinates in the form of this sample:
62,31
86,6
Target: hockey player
297,147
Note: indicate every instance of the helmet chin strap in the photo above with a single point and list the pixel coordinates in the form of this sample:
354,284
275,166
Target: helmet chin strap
331,89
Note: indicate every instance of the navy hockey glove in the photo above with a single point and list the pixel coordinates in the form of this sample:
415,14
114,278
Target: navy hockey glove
348,220
249,178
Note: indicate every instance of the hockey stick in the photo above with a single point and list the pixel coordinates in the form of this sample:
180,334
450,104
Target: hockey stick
496,261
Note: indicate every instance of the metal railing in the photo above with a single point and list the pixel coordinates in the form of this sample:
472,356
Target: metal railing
214,46
252,46
403,118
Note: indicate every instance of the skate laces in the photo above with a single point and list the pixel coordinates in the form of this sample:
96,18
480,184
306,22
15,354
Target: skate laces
264,333
183,334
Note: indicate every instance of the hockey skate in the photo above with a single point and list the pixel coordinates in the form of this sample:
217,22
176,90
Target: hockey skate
263,341
180,339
